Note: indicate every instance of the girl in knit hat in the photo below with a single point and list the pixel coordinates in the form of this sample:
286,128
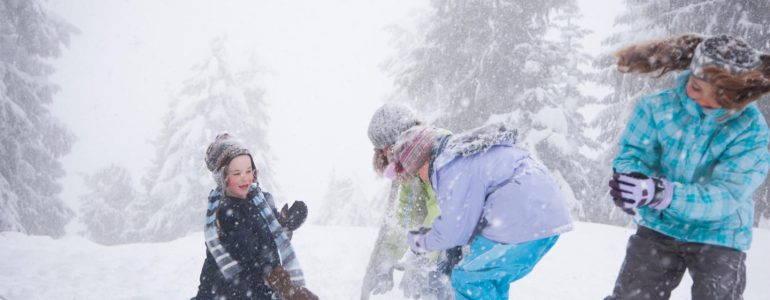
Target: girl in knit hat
249,253
411,203
493,196
689,160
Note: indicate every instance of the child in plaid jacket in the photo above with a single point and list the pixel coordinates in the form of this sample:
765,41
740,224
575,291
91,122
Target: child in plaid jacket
689,161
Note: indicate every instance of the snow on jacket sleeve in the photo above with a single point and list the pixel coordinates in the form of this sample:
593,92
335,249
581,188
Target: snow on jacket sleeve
460,194
740,170
639,147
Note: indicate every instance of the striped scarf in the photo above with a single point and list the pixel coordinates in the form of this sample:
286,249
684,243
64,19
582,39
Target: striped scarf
285,250
229,266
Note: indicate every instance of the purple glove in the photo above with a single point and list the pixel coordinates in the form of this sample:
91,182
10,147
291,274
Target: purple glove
416,240
631,190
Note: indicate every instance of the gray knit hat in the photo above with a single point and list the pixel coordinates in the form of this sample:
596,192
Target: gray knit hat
726,52
221,152
388,122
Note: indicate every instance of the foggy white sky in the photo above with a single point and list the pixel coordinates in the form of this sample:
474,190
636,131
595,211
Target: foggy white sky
325,82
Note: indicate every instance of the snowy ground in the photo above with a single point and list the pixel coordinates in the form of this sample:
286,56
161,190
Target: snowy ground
582,265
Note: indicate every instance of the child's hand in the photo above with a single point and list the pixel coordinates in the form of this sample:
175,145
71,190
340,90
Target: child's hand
279,281
416,240
631,190
421,230
292,218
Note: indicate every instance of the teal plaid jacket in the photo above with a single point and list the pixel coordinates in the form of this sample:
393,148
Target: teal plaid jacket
715,159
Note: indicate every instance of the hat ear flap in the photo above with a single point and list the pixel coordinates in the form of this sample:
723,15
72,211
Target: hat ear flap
219,176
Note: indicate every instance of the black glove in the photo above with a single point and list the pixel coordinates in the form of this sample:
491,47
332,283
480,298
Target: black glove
438,286
453,256
632,190
619,202
292,217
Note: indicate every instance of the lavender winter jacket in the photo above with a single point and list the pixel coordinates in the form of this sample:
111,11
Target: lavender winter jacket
513,195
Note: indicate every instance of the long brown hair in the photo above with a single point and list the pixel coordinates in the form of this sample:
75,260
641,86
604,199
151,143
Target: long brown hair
733,91
737,91
379,161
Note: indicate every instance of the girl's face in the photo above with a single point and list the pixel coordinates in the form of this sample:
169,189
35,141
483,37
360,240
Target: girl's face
702,92
239,176
423,173
386,151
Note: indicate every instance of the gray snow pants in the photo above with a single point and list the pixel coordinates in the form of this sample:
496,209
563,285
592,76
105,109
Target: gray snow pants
655,263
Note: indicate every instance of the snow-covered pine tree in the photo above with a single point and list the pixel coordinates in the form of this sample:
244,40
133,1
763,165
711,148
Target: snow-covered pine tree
346,205
651,19
213,100
483,61
561,150
626,89
31,140
477,59
103,211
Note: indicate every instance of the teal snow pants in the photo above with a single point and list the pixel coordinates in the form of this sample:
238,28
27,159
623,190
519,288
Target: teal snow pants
490,267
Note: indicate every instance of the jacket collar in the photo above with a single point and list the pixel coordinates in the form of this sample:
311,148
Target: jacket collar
694,109
438,148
